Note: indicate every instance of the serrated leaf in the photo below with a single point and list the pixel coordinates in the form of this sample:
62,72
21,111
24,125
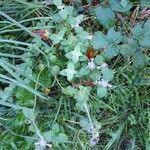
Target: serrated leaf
101,92
124,3
113,36
55,136
145,40
126,50
139,59
83,71
63,13
111,51
56,38
81,33
147,25
107,73
99,59
137,31
57,2
99,40
144,2
105,16
120,6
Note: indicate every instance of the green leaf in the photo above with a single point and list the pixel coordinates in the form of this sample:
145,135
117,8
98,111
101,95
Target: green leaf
56,38
144,2
55,70
147,25
99,59
28,113
81,33
132,119
124,3
45,77
107,73
137,31
105,16
145,40
55,136
101,92
82,96
115,136
83,71
111,51
62,138
76,53
99,40
120,5
113,36
126,50
63,13
24,97
85,124
69,72
57,2
139,59
70,91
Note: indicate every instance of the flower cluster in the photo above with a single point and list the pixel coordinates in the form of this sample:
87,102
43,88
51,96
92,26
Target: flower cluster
99,81
42,143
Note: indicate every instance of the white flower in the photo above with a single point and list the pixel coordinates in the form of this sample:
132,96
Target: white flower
42,143
91,64
103,65
103,83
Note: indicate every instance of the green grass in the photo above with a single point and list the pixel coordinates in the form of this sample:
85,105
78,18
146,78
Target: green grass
28,113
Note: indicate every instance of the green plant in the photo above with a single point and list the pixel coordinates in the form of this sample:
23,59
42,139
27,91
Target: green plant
73,80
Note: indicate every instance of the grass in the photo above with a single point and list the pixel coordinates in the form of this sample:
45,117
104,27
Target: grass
26,111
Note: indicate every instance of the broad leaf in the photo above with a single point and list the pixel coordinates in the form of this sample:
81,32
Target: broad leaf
55,136
107,73
76,53
105,16
63,13
126,50
101,92
69,72
111,51
139,59
99,40
121,5
137,31
113,36
57,2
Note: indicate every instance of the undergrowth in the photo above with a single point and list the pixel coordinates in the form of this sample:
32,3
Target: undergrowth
74,74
